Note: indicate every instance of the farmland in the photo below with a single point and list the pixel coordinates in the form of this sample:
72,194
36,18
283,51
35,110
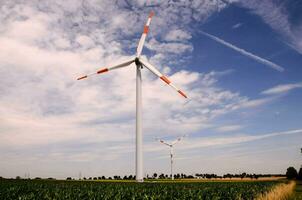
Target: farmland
55,189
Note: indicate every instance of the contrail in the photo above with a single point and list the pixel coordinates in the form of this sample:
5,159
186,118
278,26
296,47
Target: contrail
244,52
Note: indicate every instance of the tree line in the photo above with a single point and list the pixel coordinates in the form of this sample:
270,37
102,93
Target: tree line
291,173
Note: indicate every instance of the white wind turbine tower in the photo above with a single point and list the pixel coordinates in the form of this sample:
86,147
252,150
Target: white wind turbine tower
171,151
140,63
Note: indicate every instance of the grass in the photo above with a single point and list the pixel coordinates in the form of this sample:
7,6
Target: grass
282,191
297,195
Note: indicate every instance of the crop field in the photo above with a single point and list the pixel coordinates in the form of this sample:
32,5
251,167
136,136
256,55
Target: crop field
54,189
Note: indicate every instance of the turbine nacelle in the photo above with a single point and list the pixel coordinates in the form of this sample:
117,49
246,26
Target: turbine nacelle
138,63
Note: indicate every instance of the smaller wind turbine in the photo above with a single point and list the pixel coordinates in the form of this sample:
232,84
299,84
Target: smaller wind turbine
301,154
171,150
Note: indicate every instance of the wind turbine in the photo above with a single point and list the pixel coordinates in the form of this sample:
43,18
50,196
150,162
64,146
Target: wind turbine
140,63
171,151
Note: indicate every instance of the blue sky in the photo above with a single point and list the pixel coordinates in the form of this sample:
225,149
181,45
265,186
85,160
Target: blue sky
242,114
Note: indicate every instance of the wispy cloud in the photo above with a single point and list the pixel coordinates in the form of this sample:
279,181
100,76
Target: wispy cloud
235,26
229,128
221,141
280,89
277,15
244,52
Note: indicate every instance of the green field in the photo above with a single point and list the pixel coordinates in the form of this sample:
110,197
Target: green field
52,189
298,191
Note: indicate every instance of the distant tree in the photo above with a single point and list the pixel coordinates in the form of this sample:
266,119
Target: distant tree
103,177
300,174
68,178
166,176
228,176
38,178
161,176
90,178
208,176
291,173
110,178
18,177
95,178
155,175
84,178
256,176
243,175
1,177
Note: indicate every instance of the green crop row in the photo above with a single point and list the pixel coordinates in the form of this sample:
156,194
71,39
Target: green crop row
46,189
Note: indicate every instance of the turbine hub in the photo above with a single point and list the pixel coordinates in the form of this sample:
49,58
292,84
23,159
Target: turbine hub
138,63
136,60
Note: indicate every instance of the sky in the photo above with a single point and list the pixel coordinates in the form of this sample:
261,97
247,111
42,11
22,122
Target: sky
239,62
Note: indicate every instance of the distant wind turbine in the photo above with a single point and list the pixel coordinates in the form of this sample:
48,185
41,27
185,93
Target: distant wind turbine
244,52
140,63
171,151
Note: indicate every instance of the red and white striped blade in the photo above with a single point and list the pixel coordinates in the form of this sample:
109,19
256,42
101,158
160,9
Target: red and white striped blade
120,65
144,35
161,76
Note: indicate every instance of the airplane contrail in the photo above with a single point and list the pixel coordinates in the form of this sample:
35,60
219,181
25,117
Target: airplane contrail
244,52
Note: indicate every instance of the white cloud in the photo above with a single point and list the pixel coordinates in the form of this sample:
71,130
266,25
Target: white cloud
85,41
229,128
168,48
44,109
177,35
45,85
256,102
281,89
62,43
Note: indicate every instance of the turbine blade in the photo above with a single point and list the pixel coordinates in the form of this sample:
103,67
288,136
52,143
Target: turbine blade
144,35
161,76
163,142
120,65
178,139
